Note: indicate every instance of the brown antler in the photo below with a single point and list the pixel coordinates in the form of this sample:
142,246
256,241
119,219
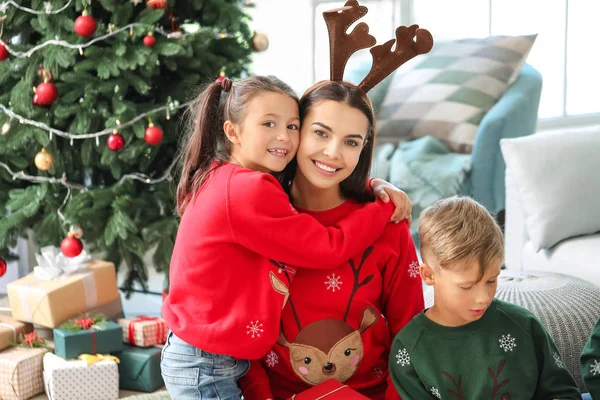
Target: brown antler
495,377
385,61
341,44
459,394
356,272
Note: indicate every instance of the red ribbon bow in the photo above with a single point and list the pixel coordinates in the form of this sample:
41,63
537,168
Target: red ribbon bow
160,332
32,338
85,323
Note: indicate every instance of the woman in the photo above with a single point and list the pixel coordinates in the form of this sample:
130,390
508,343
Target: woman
339,323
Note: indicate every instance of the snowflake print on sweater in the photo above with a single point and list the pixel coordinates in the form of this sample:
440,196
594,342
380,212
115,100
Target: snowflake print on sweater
333,282
434,391
507,343
378,372
403,358
272,359
413,269
595,368
255,328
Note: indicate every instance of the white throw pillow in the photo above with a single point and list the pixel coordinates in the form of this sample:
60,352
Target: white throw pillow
557,176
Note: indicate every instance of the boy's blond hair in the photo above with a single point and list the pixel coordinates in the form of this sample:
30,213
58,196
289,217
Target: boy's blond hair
457,231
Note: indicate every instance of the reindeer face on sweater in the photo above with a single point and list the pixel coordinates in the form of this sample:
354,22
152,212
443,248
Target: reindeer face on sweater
329,348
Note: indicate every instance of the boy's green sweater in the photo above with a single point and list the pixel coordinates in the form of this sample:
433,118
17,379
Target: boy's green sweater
590,363
505,355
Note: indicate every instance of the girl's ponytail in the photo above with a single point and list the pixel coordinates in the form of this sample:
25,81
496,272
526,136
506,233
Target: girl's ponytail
200,149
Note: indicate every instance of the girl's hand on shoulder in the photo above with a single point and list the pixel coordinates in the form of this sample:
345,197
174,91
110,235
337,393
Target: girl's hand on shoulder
386,191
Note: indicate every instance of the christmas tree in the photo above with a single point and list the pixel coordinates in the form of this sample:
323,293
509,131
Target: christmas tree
91,99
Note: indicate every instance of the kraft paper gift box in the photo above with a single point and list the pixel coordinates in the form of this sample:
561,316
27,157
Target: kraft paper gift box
139,369
76,380
144,331
60,289
113,311
330,390
10,329
21,373
102,337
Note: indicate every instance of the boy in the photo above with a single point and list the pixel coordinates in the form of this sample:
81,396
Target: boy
590,363
470,345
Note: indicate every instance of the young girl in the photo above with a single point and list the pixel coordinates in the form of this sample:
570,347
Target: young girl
339,323
229,276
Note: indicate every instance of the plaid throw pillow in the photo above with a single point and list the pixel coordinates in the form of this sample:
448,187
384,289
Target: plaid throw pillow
446,92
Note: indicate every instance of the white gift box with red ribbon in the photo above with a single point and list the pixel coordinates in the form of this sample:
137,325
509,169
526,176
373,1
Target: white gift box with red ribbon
144,331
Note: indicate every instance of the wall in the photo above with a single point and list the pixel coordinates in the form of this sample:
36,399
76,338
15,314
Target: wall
289,26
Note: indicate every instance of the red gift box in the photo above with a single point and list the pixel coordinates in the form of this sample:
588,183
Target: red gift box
330,390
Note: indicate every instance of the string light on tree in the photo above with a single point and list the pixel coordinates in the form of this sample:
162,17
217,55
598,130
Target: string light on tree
172,105
47,8
85,25
44,160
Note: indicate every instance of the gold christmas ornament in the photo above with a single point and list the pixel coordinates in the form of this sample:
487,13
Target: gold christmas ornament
44,160
260,42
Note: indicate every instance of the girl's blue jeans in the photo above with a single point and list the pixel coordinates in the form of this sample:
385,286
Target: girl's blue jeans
194,374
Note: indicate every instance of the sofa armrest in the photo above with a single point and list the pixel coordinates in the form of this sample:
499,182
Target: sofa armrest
514,115
515,231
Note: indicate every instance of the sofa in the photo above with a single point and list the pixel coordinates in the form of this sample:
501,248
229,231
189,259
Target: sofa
514,115
555,174
552,235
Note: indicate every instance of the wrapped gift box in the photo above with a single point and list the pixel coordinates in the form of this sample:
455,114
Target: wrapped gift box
51,302
113,311
10,329
21,373
75,379
330,390
144,331
139,369
106,338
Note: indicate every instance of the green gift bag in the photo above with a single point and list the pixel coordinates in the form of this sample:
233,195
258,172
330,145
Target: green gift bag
139,369
87,336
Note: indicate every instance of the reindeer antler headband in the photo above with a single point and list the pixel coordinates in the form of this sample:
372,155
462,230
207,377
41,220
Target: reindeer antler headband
385,61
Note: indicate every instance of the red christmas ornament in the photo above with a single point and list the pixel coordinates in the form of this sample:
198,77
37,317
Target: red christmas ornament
153,134
161,4
45,94
3,267
115,141
149,40
71,246
85,25
4,54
